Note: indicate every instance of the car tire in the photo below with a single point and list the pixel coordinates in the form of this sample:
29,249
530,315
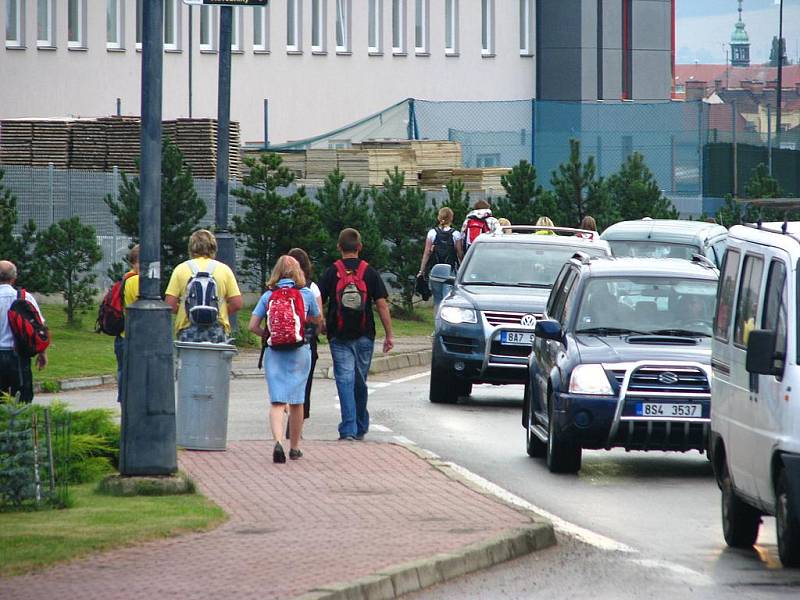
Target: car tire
444,388
740,521
562,456
535,447
787,524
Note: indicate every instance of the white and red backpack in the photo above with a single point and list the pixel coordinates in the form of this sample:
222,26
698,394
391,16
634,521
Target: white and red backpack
286,319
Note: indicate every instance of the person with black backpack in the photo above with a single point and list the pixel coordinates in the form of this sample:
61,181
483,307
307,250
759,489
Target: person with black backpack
23,335
351,287
442,246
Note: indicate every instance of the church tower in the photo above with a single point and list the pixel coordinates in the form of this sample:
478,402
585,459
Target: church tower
740,43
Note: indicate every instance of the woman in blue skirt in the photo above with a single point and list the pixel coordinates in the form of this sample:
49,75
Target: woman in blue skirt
288,356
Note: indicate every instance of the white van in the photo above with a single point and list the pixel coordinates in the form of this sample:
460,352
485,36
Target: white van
755,419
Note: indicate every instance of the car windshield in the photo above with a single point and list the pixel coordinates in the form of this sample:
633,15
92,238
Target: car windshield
652,249
519,264
648,305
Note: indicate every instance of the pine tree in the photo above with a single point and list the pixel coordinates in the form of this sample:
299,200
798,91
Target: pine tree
273,223
762,184
520,203
71,252
346,205
634,190
457,201
9,247
181,208
579,192
404,218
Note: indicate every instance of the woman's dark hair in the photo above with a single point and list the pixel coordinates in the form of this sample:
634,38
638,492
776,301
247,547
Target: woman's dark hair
301,256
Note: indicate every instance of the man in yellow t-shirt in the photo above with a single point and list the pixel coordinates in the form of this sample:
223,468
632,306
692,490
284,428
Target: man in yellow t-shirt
202,250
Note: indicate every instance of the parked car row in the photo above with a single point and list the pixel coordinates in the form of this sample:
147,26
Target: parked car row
634,340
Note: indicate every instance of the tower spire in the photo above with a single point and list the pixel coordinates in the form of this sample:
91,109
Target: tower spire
740,43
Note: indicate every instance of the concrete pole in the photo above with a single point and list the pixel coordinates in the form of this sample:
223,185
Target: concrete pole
147,442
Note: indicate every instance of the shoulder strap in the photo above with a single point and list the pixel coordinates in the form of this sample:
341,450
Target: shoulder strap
362,268
21,294
194,267
341,270
122,289
212,264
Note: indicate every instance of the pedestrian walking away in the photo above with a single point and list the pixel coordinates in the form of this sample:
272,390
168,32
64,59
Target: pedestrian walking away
442,246
203,292
284,309
588,224
478,221
350,288
22,335
544,222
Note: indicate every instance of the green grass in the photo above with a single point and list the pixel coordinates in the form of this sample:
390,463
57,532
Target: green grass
36,539
421,325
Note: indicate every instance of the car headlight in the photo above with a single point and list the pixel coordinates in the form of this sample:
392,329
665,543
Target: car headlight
456,314
590,379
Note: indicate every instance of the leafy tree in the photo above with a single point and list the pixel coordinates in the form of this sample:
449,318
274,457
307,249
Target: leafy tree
578,191
273,223
71,251
520,203
343,206
636,194
181,208
457,201
403,217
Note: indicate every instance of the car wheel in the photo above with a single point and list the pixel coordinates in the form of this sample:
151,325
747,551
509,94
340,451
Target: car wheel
787,524
562,456
444,387
536,448
740,521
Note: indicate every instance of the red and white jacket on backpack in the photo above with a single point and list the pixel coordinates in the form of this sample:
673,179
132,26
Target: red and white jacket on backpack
482,214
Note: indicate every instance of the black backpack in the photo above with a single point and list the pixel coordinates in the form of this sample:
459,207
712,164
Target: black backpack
444,249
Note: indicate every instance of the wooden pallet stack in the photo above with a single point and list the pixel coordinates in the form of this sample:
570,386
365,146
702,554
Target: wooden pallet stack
475,180
89,145
434,154
123,139
319,163
50,143
16,141
295,162
197,139
368,166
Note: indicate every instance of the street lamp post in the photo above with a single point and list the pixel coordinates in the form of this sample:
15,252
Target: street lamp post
147,441
779,99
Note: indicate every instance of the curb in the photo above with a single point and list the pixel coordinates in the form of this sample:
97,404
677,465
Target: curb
413,576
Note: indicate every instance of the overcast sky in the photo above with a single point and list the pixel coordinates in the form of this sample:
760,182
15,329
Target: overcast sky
705,26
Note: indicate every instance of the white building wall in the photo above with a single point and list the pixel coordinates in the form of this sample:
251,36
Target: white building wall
309,93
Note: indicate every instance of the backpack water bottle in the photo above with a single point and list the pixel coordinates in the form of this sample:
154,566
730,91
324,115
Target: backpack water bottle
202,303
286,319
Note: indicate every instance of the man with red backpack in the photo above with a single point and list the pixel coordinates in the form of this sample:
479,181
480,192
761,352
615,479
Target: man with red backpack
350,288
479,220
22,335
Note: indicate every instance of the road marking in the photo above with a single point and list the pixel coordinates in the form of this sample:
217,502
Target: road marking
685,573
410,377
381,384
401,439
381,428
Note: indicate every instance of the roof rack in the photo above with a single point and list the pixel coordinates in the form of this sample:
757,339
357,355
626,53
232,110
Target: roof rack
703,261
585,233
784,230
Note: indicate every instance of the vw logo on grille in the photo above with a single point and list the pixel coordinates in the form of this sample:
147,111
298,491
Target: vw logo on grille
528,321
668,378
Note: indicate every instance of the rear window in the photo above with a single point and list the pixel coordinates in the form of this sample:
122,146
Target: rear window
652,249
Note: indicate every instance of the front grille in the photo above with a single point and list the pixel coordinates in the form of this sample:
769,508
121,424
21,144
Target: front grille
661,435
499,349
461,345
665,380
498,318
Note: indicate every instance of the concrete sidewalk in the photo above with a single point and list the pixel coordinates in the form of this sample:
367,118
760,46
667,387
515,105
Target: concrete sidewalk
358,520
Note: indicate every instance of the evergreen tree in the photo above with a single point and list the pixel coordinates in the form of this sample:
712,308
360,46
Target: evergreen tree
181,208
273,223
71,252
636,194
774,53
404,218
346,205
762,184
457,201
9,248
520,203
578,191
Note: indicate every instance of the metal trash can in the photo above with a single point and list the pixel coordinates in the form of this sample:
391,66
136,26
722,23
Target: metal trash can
203,374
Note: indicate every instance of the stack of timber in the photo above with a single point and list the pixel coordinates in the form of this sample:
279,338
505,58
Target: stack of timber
428,154
50,143
318,164
295,162
197,139
89,145
123,139
16,140
475,180
369,166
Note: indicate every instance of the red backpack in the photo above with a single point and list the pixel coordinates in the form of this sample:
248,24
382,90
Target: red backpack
30,333
286,319
351,300
111,315
475,227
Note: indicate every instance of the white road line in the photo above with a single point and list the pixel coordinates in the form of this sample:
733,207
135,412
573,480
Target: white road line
380,384
685,573
410,377
401,439
381,428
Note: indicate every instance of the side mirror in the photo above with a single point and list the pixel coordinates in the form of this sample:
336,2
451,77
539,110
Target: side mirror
548,329
442,274
761,357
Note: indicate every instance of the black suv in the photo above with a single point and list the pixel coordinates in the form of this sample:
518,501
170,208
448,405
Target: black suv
484,327
621,359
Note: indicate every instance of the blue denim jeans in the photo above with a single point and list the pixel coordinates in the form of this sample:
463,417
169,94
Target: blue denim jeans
119,352
351,360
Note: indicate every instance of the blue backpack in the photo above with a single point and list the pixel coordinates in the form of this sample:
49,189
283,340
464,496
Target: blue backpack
202,303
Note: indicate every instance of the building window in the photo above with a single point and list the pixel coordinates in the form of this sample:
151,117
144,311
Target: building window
525,27
293,27
375,10
139,24
171,24
261,28
487,27
398,26
45,32
209,16
15,23
343,26
318,25
236,29
115,19
485,161
421,18
451,26
76,20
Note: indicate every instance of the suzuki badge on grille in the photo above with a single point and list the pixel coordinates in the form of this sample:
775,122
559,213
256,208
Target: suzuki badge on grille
528,321
668,378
